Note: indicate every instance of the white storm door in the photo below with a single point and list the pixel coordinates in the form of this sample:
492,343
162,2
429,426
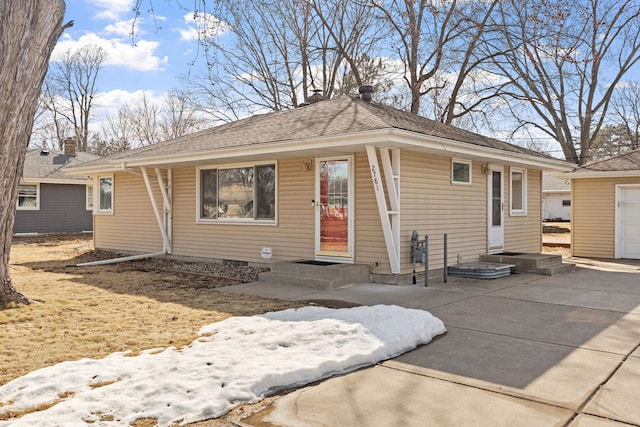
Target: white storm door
628,221
495,203
334,209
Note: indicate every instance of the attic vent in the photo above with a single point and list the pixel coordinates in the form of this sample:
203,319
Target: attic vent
44,152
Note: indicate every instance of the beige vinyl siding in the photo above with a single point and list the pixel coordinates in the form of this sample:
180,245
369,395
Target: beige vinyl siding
432,205
291,238
593,216
522,233
132,226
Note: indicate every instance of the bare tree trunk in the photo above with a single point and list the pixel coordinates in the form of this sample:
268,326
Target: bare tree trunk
29,30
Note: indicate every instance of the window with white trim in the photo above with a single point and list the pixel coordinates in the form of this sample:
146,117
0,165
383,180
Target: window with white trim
29,197
518,199
89,197
461,171
237,194
105,194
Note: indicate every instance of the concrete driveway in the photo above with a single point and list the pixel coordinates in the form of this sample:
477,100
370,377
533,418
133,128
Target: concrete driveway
524,350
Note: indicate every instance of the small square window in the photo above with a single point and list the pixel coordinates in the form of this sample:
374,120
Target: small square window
29,197
461,172
566,203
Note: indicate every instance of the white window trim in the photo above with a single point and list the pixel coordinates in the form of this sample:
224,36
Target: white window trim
30,208
89,191
96,195
466,162
523,211
237,221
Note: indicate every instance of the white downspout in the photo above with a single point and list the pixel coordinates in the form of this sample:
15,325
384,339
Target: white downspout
121,259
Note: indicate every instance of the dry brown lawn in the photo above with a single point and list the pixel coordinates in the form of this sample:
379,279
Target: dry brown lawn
94,311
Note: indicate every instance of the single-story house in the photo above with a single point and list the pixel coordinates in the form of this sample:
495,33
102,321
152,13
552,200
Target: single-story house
49,201
556,198
342,180
606,208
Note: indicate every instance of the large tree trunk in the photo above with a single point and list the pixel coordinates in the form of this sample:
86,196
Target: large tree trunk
29,30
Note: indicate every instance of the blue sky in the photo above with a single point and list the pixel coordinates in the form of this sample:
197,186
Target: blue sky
163,48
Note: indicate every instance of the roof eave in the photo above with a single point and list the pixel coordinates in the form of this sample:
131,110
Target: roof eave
601,174
388,137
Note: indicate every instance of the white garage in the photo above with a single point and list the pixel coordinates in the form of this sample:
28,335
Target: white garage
628,221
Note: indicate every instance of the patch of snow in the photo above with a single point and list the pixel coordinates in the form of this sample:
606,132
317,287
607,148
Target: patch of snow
238,360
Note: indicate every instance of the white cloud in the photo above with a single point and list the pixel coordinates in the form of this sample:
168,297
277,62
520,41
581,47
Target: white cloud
201,25
124,28
112,9
108,103
140,57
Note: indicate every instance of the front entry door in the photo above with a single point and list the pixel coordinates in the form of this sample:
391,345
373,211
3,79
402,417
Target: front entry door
495,202
334,210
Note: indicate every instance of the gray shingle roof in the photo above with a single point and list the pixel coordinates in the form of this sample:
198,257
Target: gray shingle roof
342,115
47,164
624,162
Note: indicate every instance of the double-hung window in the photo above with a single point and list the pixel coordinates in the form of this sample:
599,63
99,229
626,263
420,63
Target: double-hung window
237,194
105,194
518,199
29,197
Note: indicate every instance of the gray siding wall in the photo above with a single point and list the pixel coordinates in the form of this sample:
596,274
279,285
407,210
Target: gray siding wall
62,210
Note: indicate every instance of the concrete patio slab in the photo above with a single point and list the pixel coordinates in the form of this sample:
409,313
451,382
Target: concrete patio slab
627,279
550,323
618,398
547,373
520,350
590,421
403,399
604,300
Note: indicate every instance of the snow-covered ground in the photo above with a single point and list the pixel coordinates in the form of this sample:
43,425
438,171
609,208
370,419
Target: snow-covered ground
240,359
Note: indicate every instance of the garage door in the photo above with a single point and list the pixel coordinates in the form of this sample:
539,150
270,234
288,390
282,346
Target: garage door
628,233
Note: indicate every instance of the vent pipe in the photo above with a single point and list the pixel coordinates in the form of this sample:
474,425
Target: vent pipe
316,97
366,92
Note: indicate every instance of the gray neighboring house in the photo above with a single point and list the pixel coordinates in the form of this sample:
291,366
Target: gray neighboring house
50,201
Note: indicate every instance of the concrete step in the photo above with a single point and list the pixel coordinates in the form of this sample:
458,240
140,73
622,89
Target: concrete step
319,275
545,264
563,268
300,280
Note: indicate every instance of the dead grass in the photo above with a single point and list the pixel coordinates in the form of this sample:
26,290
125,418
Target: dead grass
94,311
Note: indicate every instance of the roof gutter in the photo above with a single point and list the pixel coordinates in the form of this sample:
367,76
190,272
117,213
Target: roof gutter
600,174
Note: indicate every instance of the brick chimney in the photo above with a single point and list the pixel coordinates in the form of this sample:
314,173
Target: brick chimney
366,92
70,147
